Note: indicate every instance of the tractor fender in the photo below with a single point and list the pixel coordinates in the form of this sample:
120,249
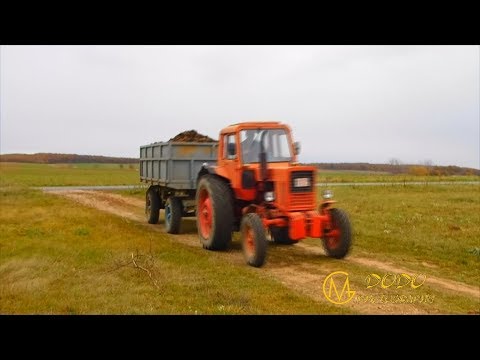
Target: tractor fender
205,170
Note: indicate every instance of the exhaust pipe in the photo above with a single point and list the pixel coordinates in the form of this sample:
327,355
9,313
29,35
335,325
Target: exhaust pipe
263,158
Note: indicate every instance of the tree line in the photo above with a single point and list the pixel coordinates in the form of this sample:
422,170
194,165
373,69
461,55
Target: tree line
53,158
399,168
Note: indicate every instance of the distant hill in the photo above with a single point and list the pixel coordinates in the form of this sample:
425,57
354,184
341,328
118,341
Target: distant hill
51,158
400,168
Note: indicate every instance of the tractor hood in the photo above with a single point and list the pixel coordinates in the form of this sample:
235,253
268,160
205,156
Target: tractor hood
293,186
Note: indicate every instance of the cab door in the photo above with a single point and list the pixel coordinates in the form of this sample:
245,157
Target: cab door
229,159
231,168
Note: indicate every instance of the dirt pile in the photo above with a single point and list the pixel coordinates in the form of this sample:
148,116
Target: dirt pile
191,136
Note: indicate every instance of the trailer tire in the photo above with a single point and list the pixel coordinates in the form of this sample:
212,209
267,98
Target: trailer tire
173,214
280,236
338,240
214,208
254,242
152,206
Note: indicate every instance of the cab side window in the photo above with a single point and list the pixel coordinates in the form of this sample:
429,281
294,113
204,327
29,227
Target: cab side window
229,147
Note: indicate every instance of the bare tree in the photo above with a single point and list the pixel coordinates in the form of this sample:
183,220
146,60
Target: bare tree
394,162
427,163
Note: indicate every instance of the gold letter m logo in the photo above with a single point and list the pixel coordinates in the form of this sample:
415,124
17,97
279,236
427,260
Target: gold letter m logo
345,294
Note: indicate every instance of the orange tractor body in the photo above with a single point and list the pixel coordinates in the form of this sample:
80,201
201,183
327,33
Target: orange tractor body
256,187
257,161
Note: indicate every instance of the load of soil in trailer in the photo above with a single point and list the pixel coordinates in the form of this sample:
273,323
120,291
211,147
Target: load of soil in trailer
192,136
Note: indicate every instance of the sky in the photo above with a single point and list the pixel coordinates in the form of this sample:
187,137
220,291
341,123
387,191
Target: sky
343,103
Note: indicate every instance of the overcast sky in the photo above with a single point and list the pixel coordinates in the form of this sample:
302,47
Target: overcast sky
344,103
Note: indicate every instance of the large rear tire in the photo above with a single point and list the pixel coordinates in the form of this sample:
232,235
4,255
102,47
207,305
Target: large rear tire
173,214
214,213
152,206
254,242
338,239
280,236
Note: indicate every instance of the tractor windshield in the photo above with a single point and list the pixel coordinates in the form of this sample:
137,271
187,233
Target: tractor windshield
275,142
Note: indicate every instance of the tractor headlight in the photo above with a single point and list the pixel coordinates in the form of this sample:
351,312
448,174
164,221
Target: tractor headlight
269,196
327,194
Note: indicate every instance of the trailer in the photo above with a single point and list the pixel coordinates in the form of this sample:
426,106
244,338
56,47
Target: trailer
171,169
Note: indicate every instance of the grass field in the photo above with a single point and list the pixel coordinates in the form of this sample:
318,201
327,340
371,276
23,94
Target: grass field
57,256
439,225
328,176
67,174
127,174
436,224
64,259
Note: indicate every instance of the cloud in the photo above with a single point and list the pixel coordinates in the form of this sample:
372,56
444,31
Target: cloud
344,103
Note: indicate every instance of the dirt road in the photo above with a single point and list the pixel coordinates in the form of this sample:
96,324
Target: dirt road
291,265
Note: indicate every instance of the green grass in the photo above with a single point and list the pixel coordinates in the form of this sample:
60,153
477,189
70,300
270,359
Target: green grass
328,176
428,229
68,174
60,258
128,174
437,224
444,302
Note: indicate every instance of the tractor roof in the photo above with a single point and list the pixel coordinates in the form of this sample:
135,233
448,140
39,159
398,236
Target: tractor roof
252,125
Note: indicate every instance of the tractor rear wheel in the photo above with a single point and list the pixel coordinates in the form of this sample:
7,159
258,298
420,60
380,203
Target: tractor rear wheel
280,236
214,213
338,239
173,214
152,206
254,243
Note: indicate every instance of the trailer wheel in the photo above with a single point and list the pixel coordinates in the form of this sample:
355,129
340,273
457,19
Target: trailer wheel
214,210
338,239
173,214
152,206
280,236
254,243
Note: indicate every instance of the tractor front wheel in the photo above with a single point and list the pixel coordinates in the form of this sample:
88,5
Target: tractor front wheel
254,243
338,239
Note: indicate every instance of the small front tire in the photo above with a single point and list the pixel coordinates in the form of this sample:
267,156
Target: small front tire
254,242
338,239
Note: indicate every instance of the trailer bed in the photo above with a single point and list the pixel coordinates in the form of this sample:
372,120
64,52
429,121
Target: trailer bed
175,164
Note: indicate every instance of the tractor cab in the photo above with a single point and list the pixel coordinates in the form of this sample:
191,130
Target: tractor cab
242,142
260,161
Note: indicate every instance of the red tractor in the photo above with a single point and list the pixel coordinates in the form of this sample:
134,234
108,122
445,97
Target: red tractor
258,188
